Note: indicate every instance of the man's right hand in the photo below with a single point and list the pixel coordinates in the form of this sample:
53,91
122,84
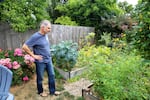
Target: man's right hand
38,57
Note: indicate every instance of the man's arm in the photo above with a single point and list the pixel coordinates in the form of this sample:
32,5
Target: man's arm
28,50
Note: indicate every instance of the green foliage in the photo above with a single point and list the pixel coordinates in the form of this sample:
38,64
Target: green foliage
141,33
23,14
65,20
119,43
116,75
106,39
88,40
88,13
91,13
51,9
89,54
115,26
65,55
127,8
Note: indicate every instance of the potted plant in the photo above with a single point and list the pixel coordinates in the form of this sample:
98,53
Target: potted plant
64,55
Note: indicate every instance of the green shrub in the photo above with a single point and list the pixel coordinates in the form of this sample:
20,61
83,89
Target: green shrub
117,75
90,54
65,20
140,35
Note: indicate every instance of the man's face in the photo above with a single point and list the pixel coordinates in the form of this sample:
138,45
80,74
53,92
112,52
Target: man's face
47,28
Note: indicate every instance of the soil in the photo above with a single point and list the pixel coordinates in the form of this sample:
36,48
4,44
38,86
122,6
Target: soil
75,88
27,91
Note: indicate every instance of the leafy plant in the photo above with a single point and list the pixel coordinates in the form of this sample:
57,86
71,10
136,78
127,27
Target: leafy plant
106,39
88,40
90,54
121,42
65,20
19,63
65,55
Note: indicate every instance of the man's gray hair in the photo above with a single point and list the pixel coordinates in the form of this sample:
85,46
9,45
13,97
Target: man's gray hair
45,23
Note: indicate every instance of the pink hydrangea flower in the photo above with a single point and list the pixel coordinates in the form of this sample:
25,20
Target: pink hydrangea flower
6,62
25,78
16,65
28,59
18,52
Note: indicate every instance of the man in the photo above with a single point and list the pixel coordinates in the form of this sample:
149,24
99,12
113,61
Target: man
41,53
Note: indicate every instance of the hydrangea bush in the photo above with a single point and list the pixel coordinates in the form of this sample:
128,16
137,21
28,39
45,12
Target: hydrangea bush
21,64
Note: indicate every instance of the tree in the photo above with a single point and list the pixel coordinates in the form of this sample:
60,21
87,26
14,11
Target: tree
23,14
90,13
51,8
127,8
141,33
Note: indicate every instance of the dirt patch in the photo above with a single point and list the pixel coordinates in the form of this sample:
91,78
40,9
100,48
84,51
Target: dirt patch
28,91
75,88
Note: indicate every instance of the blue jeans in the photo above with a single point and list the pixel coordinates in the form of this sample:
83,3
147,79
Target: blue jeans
40,68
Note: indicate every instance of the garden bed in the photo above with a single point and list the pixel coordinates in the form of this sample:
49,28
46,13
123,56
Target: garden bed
71,74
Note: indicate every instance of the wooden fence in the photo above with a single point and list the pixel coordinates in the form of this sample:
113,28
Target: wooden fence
11,39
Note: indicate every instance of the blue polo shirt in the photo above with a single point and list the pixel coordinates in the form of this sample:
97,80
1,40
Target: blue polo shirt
40,45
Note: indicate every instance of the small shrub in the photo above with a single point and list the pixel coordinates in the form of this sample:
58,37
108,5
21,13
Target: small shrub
65,55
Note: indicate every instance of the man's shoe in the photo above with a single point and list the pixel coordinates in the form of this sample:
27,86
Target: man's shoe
56,93
43,94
